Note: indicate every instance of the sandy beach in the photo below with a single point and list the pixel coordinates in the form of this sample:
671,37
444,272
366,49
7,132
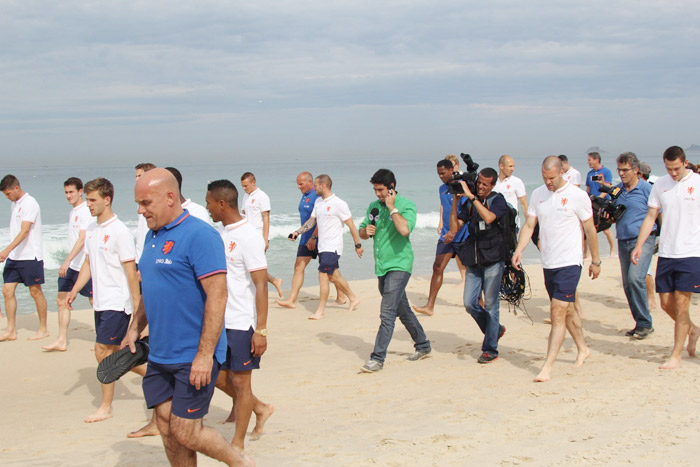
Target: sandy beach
619,408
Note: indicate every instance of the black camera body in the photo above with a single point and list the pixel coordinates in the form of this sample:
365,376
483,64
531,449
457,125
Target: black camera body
613,212
469,176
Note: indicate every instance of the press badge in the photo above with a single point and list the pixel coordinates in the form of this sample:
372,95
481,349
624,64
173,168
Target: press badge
482,225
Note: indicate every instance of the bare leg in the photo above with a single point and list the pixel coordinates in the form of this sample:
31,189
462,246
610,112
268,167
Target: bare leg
8,292
439,266
575,328
649,280
276,282
150,428
262,412
668,305
578,307
340,297
61,343
462,271
243,408
104,411
679,302
297,281
558,311
41,310
342,285
324,290
611,242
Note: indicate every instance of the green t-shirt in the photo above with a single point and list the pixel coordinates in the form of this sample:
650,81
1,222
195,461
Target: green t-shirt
392,251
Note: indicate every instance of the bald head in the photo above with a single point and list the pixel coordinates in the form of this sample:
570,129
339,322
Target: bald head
305,181
158,197
506,166
552,162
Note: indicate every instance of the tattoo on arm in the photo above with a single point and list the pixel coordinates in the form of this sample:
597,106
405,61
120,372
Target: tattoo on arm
308,225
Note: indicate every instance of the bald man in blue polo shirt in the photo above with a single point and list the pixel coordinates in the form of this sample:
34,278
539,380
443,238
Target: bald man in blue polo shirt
183,273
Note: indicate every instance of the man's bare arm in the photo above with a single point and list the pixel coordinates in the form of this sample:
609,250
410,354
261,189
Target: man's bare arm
79,244
259,342
19,238
212,325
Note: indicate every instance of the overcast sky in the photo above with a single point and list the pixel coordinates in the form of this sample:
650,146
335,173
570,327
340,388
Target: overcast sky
215,80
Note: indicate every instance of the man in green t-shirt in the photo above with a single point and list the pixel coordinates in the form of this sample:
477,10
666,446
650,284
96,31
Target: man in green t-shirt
389,221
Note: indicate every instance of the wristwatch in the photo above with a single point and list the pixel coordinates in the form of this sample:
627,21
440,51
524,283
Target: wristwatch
358,245
596,264
394,211
314,237
262,332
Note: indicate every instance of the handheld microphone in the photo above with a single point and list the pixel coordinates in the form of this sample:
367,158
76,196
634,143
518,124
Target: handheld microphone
374,213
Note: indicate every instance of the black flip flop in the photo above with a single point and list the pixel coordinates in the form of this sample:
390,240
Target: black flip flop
114,366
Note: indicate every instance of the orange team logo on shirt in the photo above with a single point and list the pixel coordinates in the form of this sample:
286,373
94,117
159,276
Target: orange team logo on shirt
691,189
564,201
252,201
231,246
307,199
168,247
106,239
328,208
76,218
507,187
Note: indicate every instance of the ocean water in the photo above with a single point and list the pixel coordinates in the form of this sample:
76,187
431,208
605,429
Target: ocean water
416,180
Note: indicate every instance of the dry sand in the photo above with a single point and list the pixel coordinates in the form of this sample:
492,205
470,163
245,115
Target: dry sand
443,410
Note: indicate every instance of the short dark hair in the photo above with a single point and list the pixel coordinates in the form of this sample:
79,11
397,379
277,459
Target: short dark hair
224,190
8,181
101,185
145,166
488,172
178,176
594,155
325,179
629,158
74,181
563,158
248,176
384,177
444,163
673,153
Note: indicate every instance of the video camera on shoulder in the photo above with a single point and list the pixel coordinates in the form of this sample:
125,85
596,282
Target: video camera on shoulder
613,212
469,176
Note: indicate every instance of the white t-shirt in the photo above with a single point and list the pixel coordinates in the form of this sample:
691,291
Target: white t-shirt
680,203
560,214
245,253
512,188
108,245
141,232
78,220
573,176
197,210
331,214
254,205
26,209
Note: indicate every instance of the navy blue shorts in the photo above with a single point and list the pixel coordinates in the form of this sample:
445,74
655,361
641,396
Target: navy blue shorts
328,262
681,274
65,284
448,248
238,354
561,283
303,251
163,382
111,326
29,272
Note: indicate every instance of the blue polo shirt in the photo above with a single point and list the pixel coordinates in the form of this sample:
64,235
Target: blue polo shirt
635,201
174,260
594,187
306,207
446,203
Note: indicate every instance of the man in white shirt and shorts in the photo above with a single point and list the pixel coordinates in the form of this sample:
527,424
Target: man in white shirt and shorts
511,187
331,214
560,208
677,194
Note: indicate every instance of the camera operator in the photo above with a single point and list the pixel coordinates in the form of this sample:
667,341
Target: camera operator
484,255
634,196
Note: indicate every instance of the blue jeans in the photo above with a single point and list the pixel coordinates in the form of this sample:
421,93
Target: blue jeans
487,317
392,287
633,276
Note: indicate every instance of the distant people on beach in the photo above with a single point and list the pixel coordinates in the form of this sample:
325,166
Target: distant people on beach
559,208
389,221
23,257
330,215
78,220
595,176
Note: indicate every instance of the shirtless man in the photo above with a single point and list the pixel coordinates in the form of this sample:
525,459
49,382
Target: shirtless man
330,212
78,220
560,208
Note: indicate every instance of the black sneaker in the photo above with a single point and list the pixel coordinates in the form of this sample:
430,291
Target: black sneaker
642,333
631,332
487,358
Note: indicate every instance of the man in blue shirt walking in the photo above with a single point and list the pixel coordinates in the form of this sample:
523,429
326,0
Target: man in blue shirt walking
595,176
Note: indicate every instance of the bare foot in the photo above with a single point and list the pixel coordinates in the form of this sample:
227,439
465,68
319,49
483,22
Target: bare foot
353,304
671,364
99,416
278,285
151,429
39,335
285,303
543,377
232,416
260,422
317,315
8,336
547,321
693,340
581,357
423,309
58,346
341,301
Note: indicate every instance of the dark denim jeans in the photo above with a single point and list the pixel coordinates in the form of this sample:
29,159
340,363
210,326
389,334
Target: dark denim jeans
633,276
487,317
392,287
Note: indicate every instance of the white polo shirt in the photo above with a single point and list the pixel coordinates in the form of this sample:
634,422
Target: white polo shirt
331,214
573,176
245,253
26,209
680,203
197,210
78,220
512,188
108,245
560,214
141,232
254,205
